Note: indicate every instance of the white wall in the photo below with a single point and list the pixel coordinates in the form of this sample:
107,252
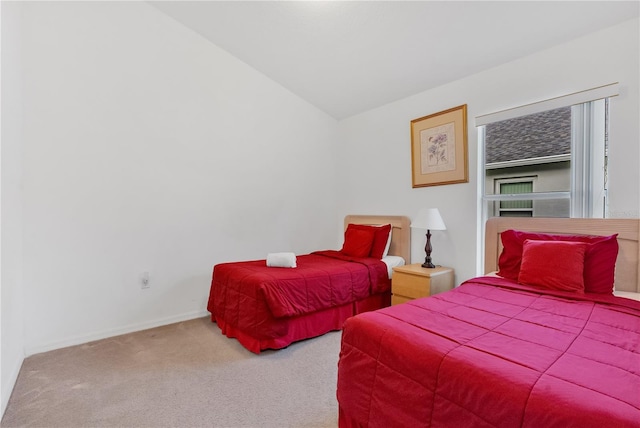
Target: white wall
147,148
376,166
11,292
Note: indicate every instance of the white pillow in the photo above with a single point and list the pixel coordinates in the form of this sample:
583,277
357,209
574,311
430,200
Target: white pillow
391,262
386,249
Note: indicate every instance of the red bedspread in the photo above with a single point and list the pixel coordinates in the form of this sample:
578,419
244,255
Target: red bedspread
246,295
491,353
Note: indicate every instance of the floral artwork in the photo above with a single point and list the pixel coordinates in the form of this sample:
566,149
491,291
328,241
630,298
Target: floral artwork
438,149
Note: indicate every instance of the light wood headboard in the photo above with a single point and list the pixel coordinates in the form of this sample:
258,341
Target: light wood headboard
628,230
400,231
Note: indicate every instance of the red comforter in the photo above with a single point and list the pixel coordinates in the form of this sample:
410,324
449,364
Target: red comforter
491,353
246,294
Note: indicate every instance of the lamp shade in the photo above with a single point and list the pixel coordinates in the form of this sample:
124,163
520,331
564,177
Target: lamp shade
429,218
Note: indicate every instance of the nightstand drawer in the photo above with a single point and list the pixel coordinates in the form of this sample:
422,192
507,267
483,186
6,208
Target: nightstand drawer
396,300
411,286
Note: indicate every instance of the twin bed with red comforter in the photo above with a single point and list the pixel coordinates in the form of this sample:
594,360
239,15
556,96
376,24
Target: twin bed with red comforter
270,307
258,305
494,352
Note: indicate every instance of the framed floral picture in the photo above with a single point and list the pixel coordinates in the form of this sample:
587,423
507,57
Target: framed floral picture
439,148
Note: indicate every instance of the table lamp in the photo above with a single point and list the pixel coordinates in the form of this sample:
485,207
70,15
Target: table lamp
430,219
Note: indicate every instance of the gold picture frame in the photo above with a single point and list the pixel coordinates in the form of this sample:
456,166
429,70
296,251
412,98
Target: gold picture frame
439,148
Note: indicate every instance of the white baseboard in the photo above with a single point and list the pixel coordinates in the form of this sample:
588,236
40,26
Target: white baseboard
78,340
7,388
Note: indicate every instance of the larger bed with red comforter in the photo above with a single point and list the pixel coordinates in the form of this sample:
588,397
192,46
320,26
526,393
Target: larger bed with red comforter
495,352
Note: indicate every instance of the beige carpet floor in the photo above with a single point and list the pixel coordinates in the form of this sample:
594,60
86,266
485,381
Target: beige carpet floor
181,375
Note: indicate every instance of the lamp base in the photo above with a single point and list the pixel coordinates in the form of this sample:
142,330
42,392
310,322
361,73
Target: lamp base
427,249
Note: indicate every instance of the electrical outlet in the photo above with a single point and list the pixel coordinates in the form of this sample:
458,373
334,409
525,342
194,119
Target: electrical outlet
144,280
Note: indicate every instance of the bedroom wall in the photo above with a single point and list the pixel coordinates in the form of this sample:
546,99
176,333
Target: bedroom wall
376,161
11,292
148,149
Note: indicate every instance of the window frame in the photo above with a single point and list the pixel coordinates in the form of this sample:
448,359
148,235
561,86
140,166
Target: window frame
583,124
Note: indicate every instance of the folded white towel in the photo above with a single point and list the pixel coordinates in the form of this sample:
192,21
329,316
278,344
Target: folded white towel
287,260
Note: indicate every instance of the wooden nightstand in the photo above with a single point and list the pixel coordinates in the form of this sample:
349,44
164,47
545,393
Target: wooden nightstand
413,281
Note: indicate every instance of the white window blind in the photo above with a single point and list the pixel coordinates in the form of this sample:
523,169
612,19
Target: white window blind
605,91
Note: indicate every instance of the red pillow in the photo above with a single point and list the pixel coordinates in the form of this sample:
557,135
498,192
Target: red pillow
381,236
554,265
357,242
599,261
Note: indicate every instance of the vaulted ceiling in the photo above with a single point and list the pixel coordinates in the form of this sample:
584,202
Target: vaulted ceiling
346,57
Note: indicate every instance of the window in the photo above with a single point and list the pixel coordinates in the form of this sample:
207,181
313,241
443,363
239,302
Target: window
547,159
537,145
520,208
